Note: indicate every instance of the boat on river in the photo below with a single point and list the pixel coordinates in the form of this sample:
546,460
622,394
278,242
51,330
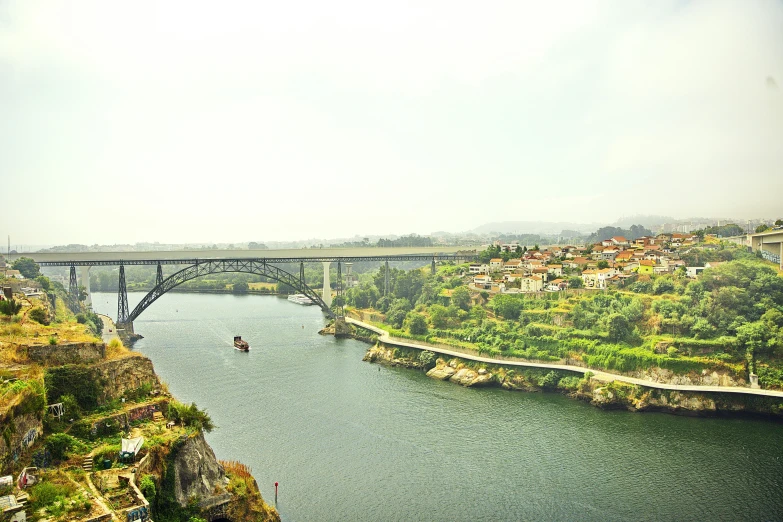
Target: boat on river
301,299
241,345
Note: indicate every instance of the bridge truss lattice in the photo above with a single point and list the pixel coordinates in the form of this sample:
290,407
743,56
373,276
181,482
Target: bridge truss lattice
216,266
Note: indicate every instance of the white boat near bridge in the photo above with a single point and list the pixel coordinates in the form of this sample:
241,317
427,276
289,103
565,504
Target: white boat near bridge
301,299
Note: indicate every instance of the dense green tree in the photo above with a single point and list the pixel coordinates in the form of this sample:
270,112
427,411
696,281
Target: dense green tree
27,267
575,282
444,317
663,285
762,228
45,283
398,310
603,264
240,288
365,295
417,323
460,298
618,327
507,306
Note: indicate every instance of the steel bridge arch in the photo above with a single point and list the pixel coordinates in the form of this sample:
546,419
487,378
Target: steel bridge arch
206,267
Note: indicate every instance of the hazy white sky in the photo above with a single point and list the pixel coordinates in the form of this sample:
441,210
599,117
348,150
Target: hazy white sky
227,122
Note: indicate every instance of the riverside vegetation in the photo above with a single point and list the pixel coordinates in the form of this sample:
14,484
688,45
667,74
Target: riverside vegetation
726,323
49,355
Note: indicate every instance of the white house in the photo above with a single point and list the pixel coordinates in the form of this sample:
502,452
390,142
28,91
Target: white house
495,265
531,284
482,280
693,271
512,265
476,268
555,270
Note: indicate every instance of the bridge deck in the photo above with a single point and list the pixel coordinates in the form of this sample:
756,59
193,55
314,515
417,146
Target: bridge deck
180,257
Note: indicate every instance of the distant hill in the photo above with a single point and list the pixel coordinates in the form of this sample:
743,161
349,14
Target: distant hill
535,227
648,221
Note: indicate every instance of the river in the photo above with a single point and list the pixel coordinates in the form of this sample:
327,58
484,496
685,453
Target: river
348,440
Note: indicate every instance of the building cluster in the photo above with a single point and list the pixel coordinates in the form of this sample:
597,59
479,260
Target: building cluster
614,261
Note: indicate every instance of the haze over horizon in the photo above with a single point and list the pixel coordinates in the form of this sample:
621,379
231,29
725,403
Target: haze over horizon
195,122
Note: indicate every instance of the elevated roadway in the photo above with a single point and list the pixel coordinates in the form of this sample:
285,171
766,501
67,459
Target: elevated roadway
769,243
181,257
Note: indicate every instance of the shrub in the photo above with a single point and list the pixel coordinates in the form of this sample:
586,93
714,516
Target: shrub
427,359
59,445
45,494
417,324
147,487
52,340
191,416
550,380
39,315
10,307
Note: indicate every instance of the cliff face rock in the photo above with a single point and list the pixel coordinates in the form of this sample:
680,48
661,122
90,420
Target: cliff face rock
197,472
18,435
126,374
441,371
392,357
469,377
72,353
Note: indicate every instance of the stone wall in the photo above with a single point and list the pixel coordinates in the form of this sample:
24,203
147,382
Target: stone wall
24,431
126,374
72,353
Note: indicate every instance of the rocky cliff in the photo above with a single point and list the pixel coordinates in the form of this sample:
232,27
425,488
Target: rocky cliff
126,374
197,473
19,434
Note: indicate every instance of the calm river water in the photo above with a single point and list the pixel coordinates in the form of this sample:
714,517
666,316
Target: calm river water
348,440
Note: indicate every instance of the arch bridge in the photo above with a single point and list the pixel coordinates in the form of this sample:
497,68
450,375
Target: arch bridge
266,267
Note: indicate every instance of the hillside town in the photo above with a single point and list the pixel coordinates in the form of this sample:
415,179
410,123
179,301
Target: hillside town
615,261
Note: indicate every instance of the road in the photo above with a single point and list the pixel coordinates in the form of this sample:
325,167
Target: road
597,374
109,330
41,257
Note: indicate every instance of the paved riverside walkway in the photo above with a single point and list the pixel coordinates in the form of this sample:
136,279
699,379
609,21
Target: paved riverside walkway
108,324
597,374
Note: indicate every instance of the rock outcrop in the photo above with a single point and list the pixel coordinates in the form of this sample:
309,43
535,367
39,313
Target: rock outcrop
126,374
18,435
197,473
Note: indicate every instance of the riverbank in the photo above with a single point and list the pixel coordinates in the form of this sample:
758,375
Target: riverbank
69,402
599,388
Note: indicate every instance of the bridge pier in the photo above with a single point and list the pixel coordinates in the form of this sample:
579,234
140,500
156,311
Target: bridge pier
386,279
122,299
326,293
73,291
85,278
159,277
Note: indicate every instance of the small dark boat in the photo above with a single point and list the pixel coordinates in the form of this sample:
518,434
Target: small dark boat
241,345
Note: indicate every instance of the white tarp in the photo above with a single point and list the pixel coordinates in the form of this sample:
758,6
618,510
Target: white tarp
132,445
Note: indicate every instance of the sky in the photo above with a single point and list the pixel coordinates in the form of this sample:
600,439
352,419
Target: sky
222,122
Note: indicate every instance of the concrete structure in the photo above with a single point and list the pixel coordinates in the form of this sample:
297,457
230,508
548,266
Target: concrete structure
769,243
171,255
